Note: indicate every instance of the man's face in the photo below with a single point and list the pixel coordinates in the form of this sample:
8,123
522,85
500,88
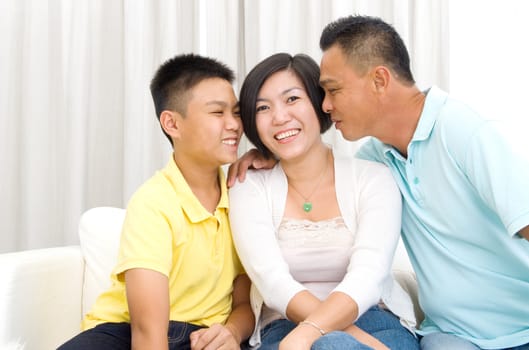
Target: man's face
349,96
211,130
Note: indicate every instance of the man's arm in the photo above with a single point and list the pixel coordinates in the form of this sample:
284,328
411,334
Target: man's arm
148,300
238,327
524,232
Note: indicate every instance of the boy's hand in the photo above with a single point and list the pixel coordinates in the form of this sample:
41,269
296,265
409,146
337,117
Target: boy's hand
215,337
252,159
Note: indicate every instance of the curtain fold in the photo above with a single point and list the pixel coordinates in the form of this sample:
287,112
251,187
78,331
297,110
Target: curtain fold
77,124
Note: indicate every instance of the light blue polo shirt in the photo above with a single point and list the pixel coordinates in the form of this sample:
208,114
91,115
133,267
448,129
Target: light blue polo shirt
465,196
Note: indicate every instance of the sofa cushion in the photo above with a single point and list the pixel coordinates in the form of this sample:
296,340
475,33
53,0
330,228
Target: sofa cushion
40,297
99,235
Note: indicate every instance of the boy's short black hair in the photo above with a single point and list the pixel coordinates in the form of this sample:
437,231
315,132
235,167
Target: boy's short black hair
177,76
304,67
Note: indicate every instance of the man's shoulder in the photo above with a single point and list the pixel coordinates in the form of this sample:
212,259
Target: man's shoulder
362,169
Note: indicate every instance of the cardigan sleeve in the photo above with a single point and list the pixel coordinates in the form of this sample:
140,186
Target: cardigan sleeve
373,199
251,217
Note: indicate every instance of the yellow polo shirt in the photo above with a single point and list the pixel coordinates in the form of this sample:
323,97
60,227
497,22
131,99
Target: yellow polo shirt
167,229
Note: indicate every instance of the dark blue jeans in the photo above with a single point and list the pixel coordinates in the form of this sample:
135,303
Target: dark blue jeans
116,336
381,324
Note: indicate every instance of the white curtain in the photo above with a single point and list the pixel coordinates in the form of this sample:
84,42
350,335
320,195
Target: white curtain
488,63
77,125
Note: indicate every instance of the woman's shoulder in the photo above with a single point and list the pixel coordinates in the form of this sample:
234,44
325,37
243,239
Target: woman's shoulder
258,178
349,163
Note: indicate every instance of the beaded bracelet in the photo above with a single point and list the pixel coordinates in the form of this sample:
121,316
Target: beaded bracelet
312,324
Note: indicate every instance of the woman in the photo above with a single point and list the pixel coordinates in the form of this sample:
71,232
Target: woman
317,233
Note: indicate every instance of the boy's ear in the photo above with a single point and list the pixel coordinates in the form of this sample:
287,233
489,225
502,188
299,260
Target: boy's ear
169,120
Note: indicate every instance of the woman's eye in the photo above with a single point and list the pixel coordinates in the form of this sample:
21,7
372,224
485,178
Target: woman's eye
261,108
292,99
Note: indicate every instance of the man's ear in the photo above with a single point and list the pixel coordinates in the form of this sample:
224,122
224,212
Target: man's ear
381,78
170,123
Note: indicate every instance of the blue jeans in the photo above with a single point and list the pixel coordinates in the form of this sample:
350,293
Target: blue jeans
381,324
441,341
117,336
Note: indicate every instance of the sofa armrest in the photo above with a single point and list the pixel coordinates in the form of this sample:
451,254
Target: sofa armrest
40,296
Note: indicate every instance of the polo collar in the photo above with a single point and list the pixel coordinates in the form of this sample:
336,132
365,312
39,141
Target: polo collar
192,207
435,99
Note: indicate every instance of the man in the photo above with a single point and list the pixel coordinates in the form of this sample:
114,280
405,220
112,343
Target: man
178,283
465,191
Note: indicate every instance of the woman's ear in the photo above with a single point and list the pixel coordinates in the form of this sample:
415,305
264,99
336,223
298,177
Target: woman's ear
169,122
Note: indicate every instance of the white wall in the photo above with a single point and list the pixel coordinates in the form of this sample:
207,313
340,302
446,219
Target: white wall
489,56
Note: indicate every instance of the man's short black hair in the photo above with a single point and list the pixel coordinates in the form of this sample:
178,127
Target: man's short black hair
369,41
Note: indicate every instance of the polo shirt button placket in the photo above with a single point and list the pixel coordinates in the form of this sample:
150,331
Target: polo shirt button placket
413,180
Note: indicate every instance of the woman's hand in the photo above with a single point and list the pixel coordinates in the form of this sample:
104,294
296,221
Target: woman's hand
366,338
300,338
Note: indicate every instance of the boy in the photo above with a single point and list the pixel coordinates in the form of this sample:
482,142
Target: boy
178,282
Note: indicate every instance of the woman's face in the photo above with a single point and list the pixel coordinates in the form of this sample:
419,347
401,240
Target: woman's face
286,121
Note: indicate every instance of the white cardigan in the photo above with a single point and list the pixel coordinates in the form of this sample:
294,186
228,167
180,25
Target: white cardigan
370,204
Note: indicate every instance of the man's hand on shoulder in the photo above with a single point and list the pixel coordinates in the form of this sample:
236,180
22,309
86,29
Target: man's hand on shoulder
253,159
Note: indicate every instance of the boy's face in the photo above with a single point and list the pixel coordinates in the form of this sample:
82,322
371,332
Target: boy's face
211,130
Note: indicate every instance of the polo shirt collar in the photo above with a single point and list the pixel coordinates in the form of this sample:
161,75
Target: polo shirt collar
194,210
435,98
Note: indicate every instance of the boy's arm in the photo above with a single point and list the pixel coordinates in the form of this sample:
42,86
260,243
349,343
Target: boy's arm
148,301
241,320
238,327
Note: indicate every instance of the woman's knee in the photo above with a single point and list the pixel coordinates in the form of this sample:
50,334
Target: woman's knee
338,340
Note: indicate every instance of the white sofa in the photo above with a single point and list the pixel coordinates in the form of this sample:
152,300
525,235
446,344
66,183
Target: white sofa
45,292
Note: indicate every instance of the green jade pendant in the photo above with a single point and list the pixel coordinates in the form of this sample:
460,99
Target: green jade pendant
307,206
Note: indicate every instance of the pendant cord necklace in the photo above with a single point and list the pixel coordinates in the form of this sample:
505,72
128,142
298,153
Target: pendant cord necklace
307,204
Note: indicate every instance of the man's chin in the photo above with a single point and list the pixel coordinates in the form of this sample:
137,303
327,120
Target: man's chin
348,136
